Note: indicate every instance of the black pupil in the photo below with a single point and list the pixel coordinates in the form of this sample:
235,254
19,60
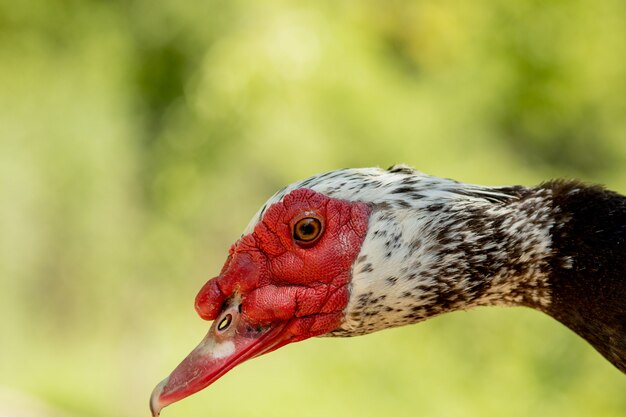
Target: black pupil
307,229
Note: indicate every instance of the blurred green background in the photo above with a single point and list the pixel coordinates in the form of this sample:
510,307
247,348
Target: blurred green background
137,138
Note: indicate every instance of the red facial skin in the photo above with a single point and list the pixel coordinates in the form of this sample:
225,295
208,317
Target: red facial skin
276,289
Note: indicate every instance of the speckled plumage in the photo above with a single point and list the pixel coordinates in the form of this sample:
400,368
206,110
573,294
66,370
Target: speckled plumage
436,245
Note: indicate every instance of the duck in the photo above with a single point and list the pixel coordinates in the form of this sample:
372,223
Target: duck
354,251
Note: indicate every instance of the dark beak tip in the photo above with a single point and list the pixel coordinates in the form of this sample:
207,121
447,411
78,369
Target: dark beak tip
155,399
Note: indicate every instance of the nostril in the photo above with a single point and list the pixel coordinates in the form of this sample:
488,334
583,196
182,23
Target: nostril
225,323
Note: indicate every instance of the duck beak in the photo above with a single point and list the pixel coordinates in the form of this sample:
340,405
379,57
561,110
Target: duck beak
230,341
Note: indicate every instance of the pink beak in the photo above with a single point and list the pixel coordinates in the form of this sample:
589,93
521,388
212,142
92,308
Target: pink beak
230,341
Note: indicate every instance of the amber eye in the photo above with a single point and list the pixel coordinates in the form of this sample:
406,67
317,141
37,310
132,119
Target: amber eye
307,230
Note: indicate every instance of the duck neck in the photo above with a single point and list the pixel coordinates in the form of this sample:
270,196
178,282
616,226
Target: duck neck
589,288
462,248
559,248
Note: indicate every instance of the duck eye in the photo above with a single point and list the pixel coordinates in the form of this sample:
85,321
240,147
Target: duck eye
224,323
307,230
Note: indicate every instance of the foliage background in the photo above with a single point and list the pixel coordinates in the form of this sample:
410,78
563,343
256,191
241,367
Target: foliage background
137,138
